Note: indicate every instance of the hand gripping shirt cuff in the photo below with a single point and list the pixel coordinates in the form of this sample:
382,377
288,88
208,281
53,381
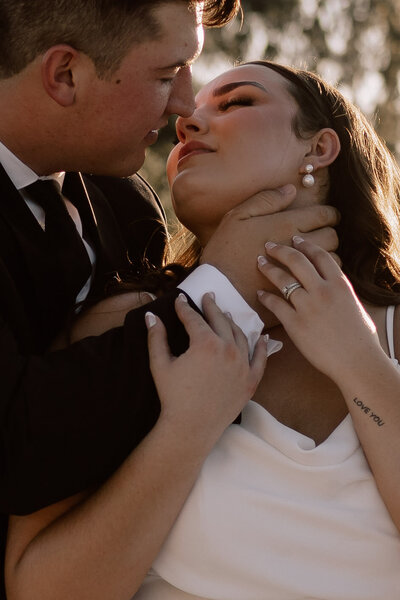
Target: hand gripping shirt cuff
207,278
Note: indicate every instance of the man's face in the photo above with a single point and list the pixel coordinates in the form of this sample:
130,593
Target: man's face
121,115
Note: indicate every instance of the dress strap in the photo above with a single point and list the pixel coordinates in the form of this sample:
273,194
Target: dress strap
389,329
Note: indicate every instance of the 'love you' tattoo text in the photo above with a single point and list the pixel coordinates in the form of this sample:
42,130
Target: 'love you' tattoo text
368,412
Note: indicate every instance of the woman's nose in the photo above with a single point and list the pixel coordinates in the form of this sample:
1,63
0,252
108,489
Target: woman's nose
196,123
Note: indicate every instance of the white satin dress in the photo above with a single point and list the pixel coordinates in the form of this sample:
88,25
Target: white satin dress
274,517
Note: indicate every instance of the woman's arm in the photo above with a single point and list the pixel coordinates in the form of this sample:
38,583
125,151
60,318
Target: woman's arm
102,546
330,327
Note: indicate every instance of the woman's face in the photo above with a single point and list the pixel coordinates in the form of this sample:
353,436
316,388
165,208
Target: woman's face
238,142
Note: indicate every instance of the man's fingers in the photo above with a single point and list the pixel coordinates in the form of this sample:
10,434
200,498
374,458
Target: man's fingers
325,238
266,202
314,217
336,258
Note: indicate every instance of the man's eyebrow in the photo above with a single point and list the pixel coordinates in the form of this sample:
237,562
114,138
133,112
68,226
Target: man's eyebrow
228,87
177,65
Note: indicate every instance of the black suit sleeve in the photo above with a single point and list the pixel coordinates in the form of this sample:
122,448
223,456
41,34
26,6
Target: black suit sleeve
69,418
139,214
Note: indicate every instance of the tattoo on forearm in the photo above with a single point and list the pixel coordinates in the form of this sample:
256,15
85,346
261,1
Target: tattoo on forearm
369,412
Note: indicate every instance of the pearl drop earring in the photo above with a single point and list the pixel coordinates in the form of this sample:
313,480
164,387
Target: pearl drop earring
308,180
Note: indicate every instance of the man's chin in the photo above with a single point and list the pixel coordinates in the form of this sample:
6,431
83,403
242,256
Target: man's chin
126,169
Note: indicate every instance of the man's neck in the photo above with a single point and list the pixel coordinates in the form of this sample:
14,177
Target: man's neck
20,173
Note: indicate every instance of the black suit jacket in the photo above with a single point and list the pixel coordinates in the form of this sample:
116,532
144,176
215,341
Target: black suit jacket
69,418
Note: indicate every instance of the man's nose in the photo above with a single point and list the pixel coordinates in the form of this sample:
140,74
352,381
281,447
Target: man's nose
181,101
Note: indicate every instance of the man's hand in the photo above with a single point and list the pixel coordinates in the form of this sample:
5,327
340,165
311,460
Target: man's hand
241,235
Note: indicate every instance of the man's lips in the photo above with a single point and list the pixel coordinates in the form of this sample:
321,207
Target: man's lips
192,148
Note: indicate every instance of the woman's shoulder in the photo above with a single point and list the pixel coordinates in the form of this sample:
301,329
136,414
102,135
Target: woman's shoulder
396,332
387,322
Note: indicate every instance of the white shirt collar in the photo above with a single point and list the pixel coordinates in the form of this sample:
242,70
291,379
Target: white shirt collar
20,174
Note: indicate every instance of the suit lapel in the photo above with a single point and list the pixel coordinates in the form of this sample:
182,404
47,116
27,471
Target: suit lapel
23,252
15,212
23,240
25,256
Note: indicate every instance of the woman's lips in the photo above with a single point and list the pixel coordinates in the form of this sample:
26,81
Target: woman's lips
192,148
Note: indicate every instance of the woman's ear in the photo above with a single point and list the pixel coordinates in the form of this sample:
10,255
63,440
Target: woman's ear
57,68
325,148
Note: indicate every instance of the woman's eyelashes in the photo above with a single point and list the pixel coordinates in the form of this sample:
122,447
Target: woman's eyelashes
225,105
240,101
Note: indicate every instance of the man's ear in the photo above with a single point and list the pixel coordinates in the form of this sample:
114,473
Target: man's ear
325,148
57,68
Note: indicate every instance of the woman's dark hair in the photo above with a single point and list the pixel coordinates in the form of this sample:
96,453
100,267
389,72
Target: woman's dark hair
364,186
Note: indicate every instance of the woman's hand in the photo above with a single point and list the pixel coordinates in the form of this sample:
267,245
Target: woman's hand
323,317
206,387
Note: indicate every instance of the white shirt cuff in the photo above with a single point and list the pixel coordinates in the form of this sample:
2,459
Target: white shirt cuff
207,278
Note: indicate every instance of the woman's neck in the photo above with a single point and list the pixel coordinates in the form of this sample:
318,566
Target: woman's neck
298,395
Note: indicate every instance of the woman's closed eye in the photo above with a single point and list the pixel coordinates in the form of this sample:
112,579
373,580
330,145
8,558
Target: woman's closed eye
239,101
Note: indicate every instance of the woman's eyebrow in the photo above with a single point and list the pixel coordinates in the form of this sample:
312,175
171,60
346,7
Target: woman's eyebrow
228,87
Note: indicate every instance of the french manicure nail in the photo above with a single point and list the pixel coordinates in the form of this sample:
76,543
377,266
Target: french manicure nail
270,245
148,296
297,239
182,297
273,346
150,319
261,261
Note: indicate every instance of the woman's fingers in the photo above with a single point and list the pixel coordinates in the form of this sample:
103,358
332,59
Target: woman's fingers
220,323
146,297
282,309
306,264
259,359
223,325
214,378
193,322
217,322
327,264
288,284
159,352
